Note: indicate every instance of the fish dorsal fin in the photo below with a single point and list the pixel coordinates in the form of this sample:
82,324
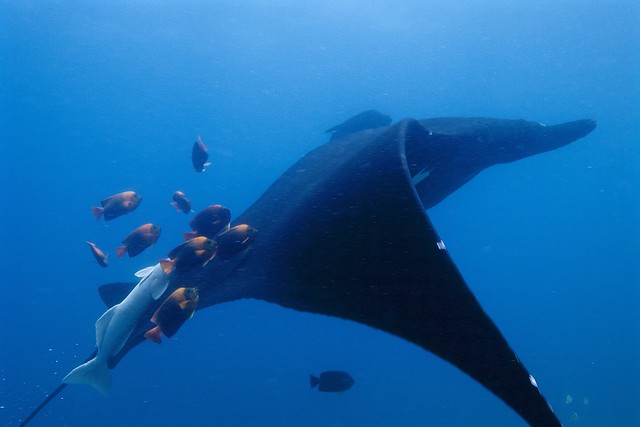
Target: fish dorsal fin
144,272
103,323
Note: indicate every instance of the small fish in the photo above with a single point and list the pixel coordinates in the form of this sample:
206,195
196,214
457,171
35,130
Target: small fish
98,254
181,203
172,314
117,205
138,240
199,250
235,240
199,156
332,381
209,222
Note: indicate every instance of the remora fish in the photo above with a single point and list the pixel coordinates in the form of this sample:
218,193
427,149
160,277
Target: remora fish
115,326
370,119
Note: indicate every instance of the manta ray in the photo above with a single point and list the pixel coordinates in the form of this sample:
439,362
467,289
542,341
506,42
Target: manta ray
345,232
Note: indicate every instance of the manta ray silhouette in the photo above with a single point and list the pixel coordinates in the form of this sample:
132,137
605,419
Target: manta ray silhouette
344,232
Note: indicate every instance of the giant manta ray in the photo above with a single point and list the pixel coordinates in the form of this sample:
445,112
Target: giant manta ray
344,232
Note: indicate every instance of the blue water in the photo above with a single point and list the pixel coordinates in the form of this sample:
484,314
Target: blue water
101,98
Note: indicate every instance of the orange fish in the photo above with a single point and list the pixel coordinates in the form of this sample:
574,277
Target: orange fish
139,240
98,254
117,205
209,222
199,250
199,155
235,240
181,203
172,314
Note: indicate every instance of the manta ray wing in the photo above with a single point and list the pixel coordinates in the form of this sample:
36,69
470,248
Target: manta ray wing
344,233
463,146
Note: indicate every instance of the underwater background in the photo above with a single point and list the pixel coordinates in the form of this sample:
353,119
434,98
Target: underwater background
103,97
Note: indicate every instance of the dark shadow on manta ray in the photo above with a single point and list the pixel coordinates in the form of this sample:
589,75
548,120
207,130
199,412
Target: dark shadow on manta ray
344,233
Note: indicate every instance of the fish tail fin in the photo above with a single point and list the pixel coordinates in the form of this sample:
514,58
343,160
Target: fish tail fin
154,334
94,372
313,381
167,265
188,235
97,212
121,251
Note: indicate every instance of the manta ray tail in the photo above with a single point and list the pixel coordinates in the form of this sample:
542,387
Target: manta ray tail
51,396
95,373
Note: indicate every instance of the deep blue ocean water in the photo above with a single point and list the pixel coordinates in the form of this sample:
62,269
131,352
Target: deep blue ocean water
99,98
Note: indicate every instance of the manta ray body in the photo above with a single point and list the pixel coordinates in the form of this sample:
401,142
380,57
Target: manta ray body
344,232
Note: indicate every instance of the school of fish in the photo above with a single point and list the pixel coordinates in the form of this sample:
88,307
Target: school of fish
211,236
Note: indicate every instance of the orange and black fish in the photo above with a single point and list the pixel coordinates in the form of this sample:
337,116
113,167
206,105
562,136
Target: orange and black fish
197,251
139,240
181,203
174,311
117,205
98,254
199,156
209,222
235,240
